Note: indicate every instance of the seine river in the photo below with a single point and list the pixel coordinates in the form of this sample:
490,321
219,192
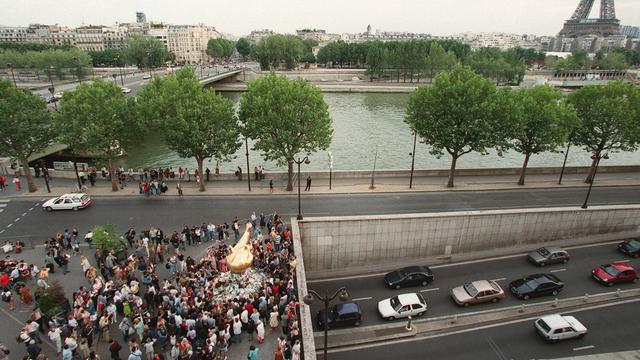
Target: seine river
362,123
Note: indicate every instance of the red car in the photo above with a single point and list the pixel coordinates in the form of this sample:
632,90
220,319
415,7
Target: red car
615,272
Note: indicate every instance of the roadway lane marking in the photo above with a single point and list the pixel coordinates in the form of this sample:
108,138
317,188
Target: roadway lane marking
3,205
1,210
24,214
463,331
458,263
16,220
434,289
501,279
584,348
1,231
31,209
9,225
362,298
4,200
557,270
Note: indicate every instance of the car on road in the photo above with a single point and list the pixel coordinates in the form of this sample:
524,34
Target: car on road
615,272
51,99
409,276
340,315
536,285
67,202
630,247
125,90
401,306
476,292
548,255
146,77
559,327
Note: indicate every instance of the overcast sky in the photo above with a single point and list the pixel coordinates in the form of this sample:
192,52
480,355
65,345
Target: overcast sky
239,17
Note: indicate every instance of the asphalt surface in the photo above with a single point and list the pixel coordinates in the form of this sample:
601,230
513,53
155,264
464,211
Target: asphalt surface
368,291
610,329
173,212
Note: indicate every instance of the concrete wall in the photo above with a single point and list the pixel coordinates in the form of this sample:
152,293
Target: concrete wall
365,243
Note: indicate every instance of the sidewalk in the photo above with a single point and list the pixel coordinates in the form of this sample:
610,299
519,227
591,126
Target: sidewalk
339,186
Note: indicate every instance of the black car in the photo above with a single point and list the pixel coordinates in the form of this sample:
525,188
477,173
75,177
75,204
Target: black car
409,276
630,247
344,314
536,285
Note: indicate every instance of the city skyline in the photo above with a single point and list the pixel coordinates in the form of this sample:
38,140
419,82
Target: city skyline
285,16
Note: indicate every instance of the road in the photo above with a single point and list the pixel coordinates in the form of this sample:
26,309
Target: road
611,329
367,290
174,212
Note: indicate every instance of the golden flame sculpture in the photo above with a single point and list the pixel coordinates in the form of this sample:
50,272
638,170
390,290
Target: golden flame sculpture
240,257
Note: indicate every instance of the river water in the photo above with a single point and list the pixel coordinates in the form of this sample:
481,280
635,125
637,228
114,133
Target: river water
362,123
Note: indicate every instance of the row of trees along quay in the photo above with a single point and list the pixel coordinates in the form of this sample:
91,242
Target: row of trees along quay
461,112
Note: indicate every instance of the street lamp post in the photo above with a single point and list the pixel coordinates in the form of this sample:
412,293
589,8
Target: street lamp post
413,158
326,300
597,158
564,163
246,145
77,64
46,181
300,161
149,60
373,173
120,70
330,168
75,168
10,66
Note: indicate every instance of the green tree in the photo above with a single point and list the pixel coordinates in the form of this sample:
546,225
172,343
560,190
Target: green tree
278,50
196,122
608,119
243,46
438,60
220,49
106,238
24,125
612,61
542,122
107,57
462,112
286,118
97,119
145,52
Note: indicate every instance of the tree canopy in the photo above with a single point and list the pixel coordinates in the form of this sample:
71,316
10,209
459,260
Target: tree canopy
278,50
542,122
243,46
286,118
53,62
462,112
145,52
609,119
220,49
97,119
195,122
25,125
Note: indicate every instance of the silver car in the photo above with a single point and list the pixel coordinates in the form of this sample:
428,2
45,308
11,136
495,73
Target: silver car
548,255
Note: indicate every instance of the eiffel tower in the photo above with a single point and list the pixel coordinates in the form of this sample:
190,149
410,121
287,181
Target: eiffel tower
580,24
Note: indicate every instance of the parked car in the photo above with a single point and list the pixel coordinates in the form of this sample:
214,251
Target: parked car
477,292
536,285
630,247
559,327
125,90
409,276
67,202
340,315
402,306
615,272
548,255
146,77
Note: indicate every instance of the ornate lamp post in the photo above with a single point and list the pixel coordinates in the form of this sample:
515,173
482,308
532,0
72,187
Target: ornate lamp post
300,161
326,300
246,144
10,66
593,178
330,168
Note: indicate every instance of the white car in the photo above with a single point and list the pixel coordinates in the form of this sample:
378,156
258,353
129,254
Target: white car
67,202
125,90
146,77
559,327
402,306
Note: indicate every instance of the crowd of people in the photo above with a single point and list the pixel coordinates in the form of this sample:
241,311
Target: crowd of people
199,309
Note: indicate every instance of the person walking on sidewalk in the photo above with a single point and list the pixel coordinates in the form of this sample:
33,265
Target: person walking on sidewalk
179,187
308,187
271,186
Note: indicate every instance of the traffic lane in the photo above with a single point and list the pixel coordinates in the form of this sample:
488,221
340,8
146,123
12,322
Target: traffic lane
13,214
136,210
610,329
368,291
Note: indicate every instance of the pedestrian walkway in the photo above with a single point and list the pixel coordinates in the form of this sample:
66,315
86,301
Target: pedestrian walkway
340,186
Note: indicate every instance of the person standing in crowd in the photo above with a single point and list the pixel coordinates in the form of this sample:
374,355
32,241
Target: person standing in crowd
179,187
308,187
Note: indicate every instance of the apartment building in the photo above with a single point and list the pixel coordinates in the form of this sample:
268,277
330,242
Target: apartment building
90,38
189,42
13,34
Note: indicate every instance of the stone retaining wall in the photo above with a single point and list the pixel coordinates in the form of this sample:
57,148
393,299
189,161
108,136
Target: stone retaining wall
358,242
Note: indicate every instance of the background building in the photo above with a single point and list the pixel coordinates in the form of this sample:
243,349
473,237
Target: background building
189,42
